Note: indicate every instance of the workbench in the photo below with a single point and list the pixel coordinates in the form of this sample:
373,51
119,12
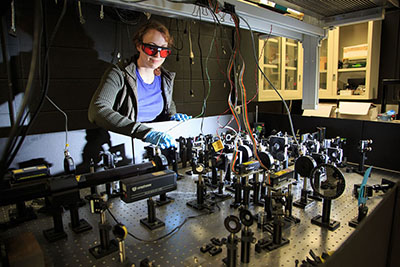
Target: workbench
183,247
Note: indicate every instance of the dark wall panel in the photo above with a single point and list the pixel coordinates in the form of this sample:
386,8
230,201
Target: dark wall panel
389,66
386,144
81,53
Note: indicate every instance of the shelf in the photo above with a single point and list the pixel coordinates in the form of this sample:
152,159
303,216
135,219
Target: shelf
270,66
291,44
323,71
352,69
353,97
353,58
272,40
271,89
290,68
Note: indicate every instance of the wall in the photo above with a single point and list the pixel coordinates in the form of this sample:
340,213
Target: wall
390,60
390,55
78,58
81,53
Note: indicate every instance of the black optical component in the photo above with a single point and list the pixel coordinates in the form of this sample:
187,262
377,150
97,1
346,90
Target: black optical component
232,224
246,217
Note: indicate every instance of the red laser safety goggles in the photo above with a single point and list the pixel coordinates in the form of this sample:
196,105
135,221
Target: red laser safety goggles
152,50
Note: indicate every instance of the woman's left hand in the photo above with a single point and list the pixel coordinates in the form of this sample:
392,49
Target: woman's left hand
180,117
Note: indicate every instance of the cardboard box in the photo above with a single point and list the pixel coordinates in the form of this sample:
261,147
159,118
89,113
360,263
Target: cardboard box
346,92
357,111
355,52
326,110
322,63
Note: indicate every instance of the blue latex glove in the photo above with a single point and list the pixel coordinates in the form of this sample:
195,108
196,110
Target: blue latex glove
159,138
180,117
391,112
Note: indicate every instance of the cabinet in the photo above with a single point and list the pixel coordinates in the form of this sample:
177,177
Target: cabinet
349,62
281,59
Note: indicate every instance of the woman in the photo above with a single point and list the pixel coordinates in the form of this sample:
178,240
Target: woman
140,91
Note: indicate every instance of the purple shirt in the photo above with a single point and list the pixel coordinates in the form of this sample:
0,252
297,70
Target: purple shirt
150,99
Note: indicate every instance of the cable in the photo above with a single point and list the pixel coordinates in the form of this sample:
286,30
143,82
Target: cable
133,1
126,20
216,21
191,57
208,76
241,85
231,106
203,110
15,128
255,95
228,77
191,61
45,85
66,120
182,2
265,77
216,49
244,98
201,65
172,232
256,70
179,37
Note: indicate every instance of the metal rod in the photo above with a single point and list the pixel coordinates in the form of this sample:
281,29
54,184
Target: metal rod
277,234
151,210
245,245
231,246
73,210
326,210
122,253
256,119
103,218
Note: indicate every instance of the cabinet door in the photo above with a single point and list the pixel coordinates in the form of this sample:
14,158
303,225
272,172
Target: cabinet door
281,61
328,66
358,60
352,62
291,66
270,53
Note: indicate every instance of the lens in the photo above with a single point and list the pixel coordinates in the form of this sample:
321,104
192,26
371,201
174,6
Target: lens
165,53
151,51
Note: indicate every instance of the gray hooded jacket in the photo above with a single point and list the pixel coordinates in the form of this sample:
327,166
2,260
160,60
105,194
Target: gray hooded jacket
114,104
